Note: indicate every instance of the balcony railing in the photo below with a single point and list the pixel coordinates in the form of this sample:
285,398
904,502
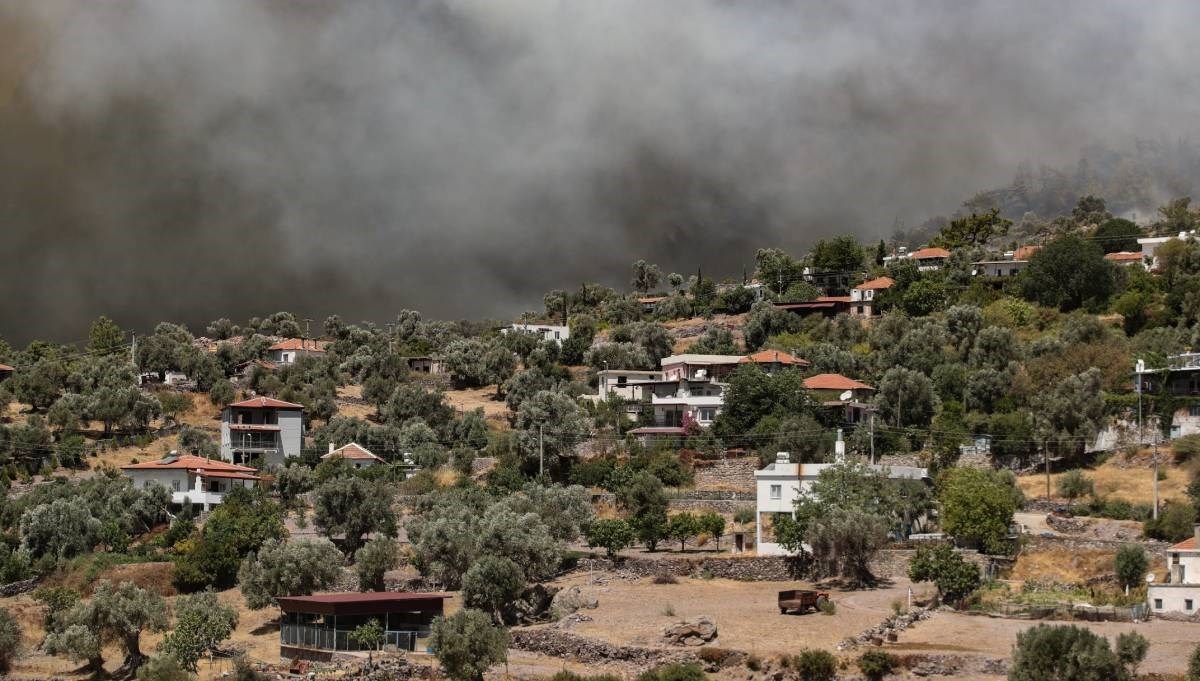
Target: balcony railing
1189,360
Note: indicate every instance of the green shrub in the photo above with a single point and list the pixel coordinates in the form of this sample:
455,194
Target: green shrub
1175,522
1063,652
876,664
674,672
1193,670
827,607
1186,447
744,516
815,665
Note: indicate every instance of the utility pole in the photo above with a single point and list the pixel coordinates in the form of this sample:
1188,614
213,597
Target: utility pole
1155,515
1046,456
541,453
872,436
307,321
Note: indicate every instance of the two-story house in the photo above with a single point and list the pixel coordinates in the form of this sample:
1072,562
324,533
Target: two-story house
862,297
782,483
201,481
1180,378
1181,592
845,395
261,431
289,350
928,259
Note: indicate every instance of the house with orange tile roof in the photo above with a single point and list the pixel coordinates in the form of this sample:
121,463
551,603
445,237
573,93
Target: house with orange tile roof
839,393
261,431
355,454
929,258
862,297
203,482
774,361
288,350
1180,593
1125,258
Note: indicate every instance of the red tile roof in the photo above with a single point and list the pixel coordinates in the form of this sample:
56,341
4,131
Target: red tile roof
352,451
930,253
773,357
876,284
1025,252
832,299
1123,256
299,344
5,367
266,403
189,462
834,382
1188,544
228,474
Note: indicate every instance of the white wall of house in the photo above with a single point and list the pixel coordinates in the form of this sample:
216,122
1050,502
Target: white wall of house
623,383
549,332
1000,268
291,437
780,484
1181,592
173,479
185,486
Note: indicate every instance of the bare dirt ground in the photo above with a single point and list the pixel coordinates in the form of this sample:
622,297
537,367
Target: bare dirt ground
469,399
636,612
947,632
1119,479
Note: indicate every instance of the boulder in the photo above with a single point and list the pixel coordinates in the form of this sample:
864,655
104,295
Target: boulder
693,632
533,606
570,600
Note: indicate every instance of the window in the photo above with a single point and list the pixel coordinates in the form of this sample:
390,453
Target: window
1187,604
1174,559
776,491
175,485
622,380
707,414
1158,604
1194,410
556,335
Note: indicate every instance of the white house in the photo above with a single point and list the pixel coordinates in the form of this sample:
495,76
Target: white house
1150,246
699,367
625,383
548,332
202,481
862,297
262,430
998,268
1181,377
355,454
1181,592
289,350
680,404
782,483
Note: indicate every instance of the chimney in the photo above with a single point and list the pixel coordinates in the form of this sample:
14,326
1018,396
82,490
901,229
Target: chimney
783,457
330,447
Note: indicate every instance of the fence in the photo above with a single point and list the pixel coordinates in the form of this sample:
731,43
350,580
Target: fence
1074,611
339,639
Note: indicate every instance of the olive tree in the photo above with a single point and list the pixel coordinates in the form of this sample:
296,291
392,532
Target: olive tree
10,640
1050,652
550,424
283,568
202,622
61,528
373,560
468,643
354,508
115,614
492,582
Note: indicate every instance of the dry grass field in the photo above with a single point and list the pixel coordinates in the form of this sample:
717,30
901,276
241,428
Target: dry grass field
1133,484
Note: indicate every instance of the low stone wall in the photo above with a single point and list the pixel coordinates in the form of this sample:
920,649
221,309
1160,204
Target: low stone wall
558,643
1039,543
735,474
18,588
747,569
722,506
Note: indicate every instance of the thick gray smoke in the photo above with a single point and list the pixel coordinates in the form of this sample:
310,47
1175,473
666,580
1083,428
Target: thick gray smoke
184,159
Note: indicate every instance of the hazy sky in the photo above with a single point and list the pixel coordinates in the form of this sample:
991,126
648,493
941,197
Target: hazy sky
184,160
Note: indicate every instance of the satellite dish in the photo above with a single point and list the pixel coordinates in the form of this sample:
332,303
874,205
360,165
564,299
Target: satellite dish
846,395
1150,578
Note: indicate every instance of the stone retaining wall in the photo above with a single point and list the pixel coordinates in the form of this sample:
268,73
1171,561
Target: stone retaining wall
889,563
17,588
735,474
557,643
723,506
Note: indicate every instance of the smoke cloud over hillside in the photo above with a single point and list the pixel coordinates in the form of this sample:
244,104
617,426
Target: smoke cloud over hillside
174,159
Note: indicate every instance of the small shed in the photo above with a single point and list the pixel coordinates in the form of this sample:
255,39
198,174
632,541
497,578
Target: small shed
315,627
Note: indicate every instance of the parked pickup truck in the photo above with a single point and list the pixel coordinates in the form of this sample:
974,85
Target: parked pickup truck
801,600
